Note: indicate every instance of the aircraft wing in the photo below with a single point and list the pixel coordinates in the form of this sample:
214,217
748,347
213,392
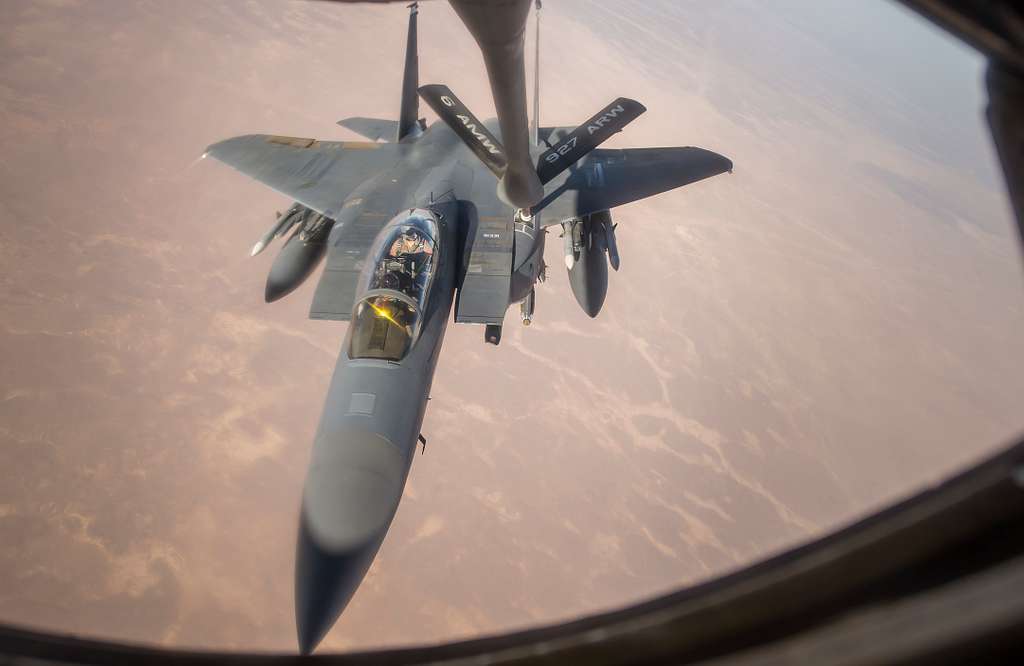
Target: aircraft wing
605,179
317,174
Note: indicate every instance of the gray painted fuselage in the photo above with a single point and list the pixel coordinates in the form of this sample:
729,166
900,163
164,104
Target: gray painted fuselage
374,409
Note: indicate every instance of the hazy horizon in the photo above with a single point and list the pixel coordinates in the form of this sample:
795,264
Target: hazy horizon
833,326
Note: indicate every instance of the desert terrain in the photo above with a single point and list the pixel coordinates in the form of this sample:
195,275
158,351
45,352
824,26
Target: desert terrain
834,325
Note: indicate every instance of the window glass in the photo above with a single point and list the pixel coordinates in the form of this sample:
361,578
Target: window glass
383,327
394,287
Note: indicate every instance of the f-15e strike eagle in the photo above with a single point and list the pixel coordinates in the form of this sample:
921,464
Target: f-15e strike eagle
435,217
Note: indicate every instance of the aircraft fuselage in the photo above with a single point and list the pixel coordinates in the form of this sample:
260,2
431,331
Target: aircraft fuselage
374,409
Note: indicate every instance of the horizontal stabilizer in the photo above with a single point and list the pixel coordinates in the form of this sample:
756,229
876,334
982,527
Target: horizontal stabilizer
466,126
374,129
609,178
588,136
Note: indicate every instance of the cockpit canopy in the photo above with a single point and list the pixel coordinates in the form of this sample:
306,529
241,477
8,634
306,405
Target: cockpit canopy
394,287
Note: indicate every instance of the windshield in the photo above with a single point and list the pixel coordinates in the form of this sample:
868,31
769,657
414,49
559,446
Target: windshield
394,287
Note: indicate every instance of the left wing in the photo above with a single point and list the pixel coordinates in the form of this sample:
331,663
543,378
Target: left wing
317,174
374,129
608,178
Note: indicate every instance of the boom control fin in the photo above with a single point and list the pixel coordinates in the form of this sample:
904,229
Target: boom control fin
466,126
588,136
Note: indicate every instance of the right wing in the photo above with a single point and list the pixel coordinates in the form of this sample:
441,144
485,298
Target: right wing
317,174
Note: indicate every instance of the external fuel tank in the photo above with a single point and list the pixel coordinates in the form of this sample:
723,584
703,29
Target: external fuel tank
299,256
588,263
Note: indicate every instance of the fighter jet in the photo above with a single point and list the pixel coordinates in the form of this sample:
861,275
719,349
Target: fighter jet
413,226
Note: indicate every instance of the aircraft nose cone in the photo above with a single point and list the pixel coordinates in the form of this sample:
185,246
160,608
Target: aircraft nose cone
351,494
325,581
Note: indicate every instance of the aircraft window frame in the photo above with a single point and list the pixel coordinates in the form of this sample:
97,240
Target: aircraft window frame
419,222
377,317
400,268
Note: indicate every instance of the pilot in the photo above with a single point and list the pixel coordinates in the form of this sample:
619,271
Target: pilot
410,243
412,251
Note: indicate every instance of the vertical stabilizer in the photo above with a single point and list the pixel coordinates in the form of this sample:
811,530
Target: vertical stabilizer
408,119
535,121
